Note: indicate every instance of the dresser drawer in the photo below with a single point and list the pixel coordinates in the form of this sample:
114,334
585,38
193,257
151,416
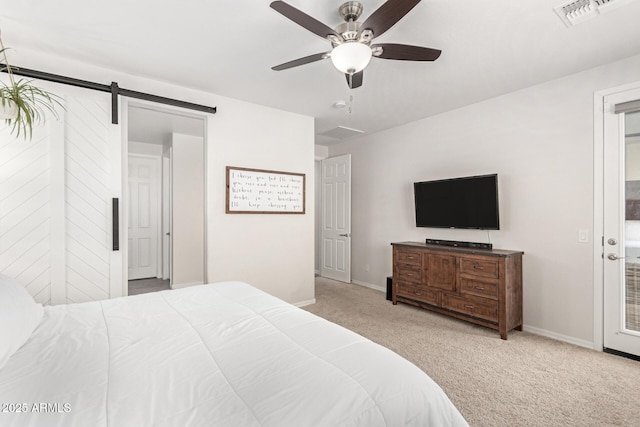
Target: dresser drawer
412,291
482,288
480,267
406,273
478,307
409,257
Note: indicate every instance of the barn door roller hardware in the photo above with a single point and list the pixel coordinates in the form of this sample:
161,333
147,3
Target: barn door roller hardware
113,88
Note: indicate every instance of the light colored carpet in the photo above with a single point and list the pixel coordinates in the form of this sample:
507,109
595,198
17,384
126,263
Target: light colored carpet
527,380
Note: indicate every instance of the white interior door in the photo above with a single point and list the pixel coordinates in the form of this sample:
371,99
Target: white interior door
56,193
335,255
621,256
143,216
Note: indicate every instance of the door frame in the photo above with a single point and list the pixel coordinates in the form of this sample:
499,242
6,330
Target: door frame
125,104
598,208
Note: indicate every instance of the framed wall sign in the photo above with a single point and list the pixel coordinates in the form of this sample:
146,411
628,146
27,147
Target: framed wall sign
252,191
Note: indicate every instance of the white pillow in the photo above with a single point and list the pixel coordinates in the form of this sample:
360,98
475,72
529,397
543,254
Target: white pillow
19,316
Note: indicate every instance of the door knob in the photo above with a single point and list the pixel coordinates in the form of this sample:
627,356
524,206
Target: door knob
345,235
612,242
614,257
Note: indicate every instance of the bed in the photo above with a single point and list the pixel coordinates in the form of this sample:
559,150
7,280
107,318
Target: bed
224,354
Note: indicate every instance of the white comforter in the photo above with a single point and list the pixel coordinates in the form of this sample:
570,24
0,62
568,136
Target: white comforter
213,355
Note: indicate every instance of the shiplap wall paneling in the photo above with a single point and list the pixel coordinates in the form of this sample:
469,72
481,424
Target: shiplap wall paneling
25,211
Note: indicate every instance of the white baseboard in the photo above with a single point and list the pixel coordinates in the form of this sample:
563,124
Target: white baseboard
304,303
370,286
560,337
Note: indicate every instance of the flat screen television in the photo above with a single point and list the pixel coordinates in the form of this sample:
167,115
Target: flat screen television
468,202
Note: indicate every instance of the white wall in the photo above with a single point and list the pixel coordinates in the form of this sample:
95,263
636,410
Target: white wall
321,152
188,210
145,148
540,142
273,252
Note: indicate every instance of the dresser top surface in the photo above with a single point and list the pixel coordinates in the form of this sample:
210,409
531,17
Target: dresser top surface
462,250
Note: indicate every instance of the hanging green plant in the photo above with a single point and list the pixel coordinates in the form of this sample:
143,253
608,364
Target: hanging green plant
23,105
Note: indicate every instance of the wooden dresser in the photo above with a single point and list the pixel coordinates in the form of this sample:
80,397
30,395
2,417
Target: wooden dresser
481,286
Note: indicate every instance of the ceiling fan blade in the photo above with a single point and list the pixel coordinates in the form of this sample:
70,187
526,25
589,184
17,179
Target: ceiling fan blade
404,52
354,80
301,61
387,15
304,20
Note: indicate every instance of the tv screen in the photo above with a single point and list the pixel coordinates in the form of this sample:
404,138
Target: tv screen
469,202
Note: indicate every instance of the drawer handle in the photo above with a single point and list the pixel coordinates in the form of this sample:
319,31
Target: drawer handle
409,257
409,274
470,307
478,267
417,293
480,288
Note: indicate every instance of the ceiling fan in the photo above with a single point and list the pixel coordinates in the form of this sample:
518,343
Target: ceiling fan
351,40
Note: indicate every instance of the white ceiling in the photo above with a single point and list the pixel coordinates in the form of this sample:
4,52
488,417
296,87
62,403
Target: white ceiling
154,126
227,47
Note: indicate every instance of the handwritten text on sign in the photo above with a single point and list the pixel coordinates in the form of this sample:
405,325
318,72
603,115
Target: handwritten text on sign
261,191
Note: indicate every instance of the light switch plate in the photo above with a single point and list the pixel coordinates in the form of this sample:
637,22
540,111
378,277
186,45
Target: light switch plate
583,236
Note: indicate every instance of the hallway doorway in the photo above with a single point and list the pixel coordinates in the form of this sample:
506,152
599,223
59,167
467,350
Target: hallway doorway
165,199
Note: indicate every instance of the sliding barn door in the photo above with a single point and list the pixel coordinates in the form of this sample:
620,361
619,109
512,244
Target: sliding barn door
92,178
56,192
25,211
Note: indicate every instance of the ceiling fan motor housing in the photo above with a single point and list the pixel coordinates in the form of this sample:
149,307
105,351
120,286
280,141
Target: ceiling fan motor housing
348,30
351,10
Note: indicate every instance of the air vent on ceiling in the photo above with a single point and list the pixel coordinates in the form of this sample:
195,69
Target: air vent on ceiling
342,132
577,11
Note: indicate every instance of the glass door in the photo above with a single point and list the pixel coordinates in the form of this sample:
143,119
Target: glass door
621,255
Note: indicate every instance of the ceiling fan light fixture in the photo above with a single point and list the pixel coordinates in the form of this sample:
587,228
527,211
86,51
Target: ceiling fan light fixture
351,57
